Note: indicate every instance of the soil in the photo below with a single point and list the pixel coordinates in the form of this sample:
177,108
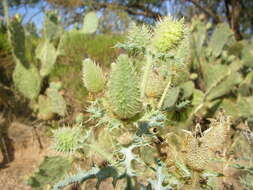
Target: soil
25,155
27,148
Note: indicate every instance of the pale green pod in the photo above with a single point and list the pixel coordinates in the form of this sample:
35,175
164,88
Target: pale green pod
168,33
123,89
93,78
66,140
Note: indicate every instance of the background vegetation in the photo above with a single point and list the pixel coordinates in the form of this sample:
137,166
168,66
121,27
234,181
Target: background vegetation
126,93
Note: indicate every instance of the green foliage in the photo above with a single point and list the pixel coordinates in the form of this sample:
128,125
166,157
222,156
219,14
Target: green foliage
51,170
4,44
51,103
27,80
98,48
165,84
220,37
46,53
92,76
247,54
57,101
44,108
76,45
123,90
67,74
90,23
52,28
220,78
17,40
220,64
171,98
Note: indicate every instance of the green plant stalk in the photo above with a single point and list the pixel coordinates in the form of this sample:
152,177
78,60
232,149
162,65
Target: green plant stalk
195,180
164,94
145,75
6,13
7,19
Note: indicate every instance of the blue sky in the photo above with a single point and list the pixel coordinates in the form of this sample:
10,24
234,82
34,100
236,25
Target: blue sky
35,15
30,13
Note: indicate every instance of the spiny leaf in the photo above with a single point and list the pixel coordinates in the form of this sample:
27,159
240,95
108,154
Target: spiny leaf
50,171
157,184
94,173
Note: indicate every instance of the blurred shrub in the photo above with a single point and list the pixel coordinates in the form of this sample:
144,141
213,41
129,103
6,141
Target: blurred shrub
79,46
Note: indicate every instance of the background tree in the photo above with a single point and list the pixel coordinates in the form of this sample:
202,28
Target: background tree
237,13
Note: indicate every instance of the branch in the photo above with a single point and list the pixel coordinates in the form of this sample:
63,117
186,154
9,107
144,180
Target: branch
206,10
135,9
235,18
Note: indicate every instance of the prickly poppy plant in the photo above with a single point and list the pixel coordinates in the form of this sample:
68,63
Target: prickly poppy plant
146,122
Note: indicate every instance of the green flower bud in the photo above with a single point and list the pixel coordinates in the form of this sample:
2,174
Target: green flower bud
168,34
93,78
66,140
123,89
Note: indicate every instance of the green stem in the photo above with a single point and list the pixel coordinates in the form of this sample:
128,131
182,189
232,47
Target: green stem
6,12
164,94
195,180
146,74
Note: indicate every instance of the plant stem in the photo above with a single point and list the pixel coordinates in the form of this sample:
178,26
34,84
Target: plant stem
164,94
6,12
145,75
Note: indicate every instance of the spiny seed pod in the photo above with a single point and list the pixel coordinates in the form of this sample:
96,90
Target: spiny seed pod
138,39
93,78
195,154
218,134
155,85
123,89
66,140
168,34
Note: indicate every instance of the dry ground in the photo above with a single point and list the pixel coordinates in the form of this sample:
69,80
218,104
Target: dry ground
27,155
